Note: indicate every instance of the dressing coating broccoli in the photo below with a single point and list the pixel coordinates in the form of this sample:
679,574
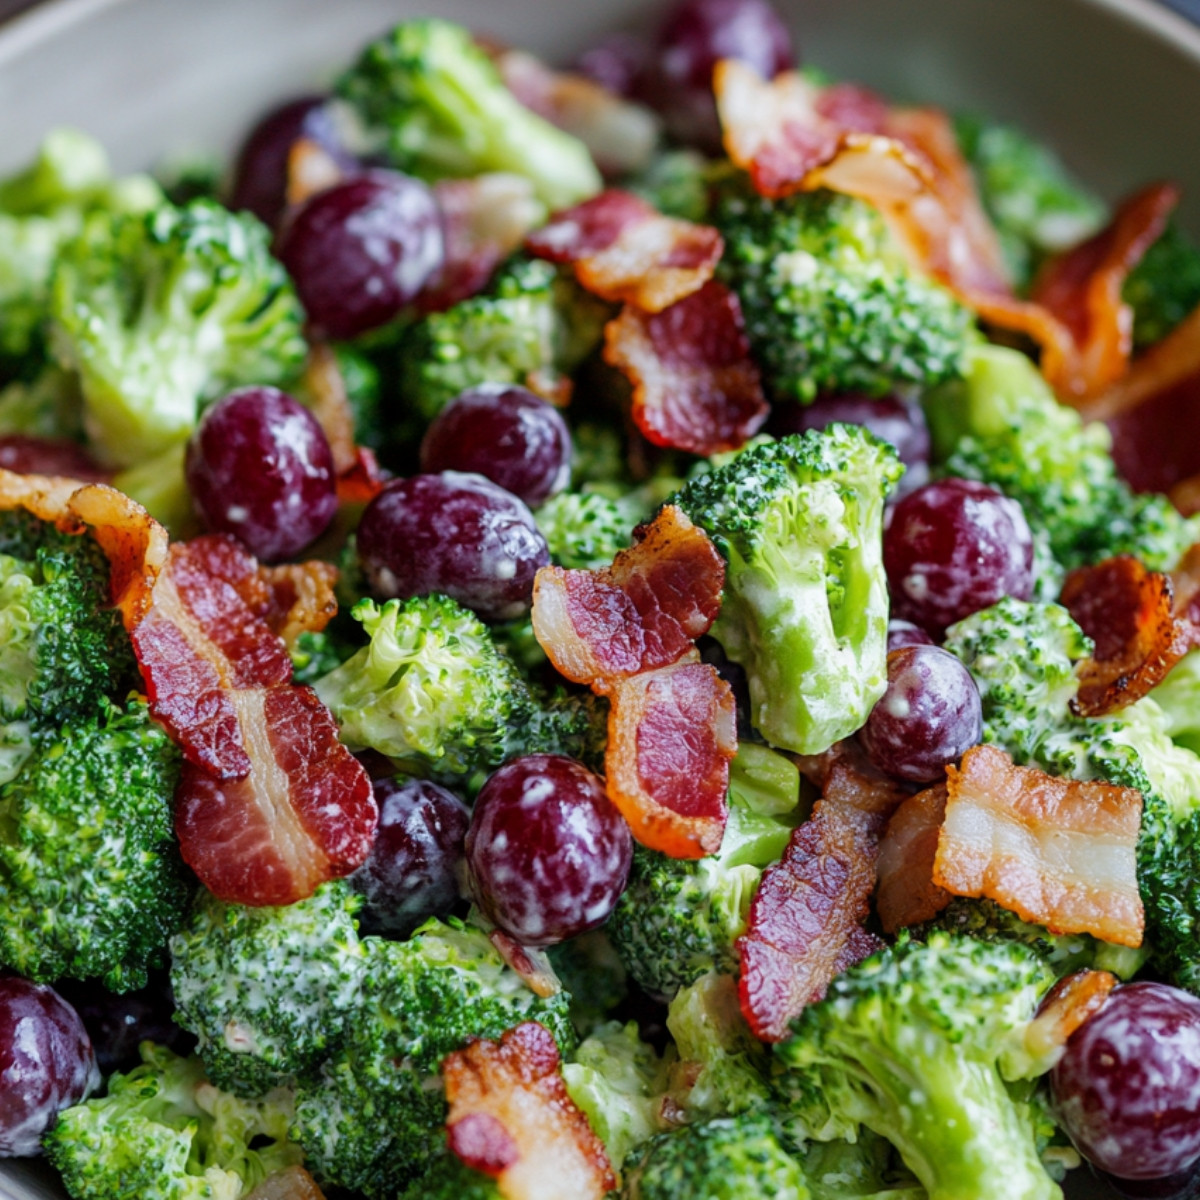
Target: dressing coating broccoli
799,523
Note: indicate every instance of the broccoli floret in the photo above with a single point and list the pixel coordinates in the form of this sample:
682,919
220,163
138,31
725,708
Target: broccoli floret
912,1043
361,378
267,991
1036,207
1002,425
1164,287
163,1132
433,104
372,1120
591,971
161,313
829,301
724,1159
679,918
866,1169
1179,698
677,183
90,880
584,530
804,610
451,1179
571,723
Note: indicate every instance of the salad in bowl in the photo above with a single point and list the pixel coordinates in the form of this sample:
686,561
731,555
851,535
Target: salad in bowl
627,630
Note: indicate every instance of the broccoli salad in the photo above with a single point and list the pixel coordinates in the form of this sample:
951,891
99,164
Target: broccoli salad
627,630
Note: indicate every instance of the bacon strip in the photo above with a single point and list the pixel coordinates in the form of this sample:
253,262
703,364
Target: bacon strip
1128,611
906,894
805,923
1058,852
511,1118
623,249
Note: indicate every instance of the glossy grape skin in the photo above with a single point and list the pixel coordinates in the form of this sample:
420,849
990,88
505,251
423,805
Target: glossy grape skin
454,533
360,251
505,433
694,37
412,872
260,173
1127,1088
953,547
46,1063
905,633
930,714
259,467
548,854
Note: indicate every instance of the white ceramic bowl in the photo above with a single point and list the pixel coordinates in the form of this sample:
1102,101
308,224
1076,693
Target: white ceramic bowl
1113,84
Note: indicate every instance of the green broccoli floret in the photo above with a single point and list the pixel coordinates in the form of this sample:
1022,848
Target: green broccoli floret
372,1120
451,1179
163,1132
433,104
571,723
829,301
90,880
1164,287
914,1043
799,523
1002,425
584,530
724,1159
677,183
592,973
267,991
1179,698
1036,207
679,918
362,381
866,1169
161,313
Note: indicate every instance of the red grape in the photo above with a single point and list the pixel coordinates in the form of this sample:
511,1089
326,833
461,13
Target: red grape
929,715
412,870
505,433
453,533
905,633
360,251
548,853
46,1063
259,466
1127,1088
953,547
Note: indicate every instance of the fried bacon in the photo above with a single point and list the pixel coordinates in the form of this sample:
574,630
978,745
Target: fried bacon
511,1118
311,169
1129,612
695,385
906,894
292,1183
623,249
1071,1001
1058,852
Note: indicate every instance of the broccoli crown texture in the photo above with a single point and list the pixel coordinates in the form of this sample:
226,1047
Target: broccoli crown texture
163,312
829,302
912,1043
865,1169
800,525
267,991
163,1132
724,1159
584,530
372,1119
434,104
90,880
451,1179
1164,287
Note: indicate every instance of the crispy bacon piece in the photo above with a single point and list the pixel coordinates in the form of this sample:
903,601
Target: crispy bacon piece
292,1183
1057,852
906,894
310,169
511,1118
1072,1000
302,598
695,385
1128,611
625,250
643,612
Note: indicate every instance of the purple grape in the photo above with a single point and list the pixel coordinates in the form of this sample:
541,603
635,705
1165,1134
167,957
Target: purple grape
412,870
929,715
46,1063
259,466
260,175
1179,1185
360,251
505,433
1127,1088
615,62
905,633
696,35
547,852
453,533
953,547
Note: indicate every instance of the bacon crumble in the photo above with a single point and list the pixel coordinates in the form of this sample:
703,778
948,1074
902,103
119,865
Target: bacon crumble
906,894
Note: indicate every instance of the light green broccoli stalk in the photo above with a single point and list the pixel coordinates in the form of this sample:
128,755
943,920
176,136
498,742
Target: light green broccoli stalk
267,991
1179,698
1164,287
829,300
433,104
163,1132
162,313
913,1043
800,525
